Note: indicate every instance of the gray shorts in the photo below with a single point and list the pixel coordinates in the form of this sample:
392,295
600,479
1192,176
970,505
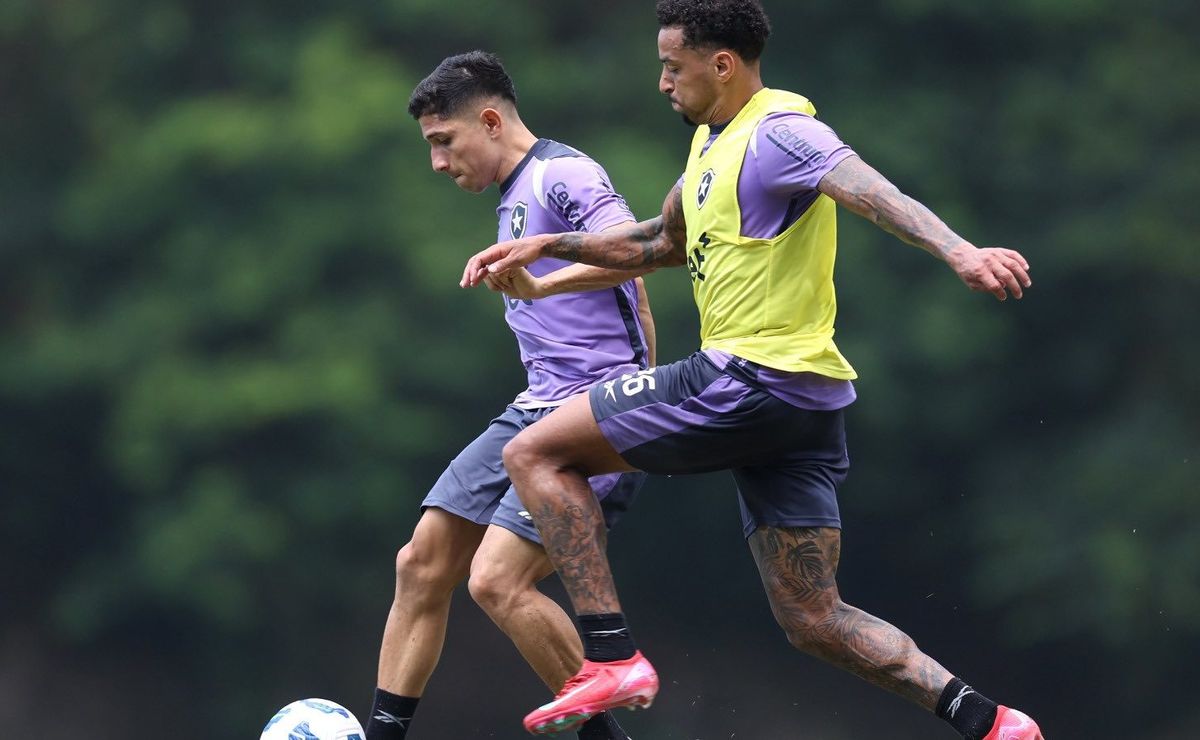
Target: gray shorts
476,487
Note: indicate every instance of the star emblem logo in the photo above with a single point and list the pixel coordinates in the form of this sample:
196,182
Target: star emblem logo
705,187
518,220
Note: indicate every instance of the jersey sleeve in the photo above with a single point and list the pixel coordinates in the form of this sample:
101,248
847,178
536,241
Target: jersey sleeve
794,151
578,190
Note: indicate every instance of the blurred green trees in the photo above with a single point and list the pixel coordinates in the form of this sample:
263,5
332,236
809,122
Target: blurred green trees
234,353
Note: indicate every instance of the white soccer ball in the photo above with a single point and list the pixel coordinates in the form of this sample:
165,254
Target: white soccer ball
313,719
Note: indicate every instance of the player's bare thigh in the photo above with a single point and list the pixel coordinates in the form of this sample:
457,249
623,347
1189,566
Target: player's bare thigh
798,567
566,438
503,556
442,542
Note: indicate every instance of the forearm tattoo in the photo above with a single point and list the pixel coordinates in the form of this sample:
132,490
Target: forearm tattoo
859,187
798,568
567,247
674,229
659,242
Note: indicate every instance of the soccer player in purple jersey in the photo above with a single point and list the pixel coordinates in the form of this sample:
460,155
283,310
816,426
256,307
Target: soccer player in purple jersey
472,525
753,218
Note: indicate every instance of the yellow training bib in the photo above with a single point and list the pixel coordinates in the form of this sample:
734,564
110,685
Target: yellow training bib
770,301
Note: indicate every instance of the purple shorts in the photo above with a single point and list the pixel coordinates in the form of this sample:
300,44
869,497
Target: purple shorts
691,417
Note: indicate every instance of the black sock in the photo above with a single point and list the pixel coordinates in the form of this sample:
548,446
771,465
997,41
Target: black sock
390,716
605,637
967,711
602,727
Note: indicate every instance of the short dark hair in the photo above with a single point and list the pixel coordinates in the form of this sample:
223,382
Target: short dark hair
740,25
459,80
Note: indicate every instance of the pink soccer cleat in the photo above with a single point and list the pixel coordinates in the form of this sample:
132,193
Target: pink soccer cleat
1013,725
598,687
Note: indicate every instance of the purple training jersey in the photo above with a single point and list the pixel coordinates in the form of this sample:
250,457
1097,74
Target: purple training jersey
787,158
785,161
570,341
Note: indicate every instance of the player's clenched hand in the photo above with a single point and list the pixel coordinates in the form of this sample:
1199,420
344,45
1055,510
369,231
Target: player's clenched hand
501,258
497,283
991,270
518,283
523,285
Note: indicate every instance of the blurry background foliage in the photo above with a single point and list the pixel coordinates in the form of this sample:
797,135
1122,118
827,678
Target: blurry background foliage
233,357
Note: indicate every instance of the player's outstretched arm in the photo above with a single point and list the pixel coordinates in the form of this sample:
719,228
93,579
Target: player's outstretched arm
660,242
859,187
520,284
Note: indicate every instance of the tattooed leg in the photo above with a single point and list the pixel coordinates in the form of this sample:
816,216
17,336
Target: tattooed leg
799,568
549,463
568,518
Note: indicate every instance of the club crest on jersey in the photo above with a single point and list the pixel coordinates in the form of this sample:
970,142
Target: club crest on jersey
517,220
705,187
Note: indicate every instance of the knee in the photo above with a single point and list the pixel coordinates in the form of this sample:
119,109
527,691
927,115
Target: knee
851,639
494,590
518,455
802,633
522,454
812,628
421,574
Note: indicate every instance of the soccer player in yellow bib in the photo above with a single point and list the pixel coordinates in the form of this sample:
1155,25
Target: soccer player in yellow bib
753,219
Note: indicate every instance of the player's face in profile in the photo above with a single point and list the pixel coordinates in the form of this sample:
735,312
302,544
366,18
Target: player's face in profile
460,148
688,77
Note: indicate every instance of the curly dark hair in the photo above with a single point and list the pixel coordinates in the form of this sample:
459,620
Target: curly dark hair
739,25
458,80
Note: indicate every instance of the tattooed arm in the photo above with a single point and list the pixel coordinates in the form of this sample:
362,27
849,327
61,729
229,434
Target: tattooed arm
660,242
859,187
519,283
